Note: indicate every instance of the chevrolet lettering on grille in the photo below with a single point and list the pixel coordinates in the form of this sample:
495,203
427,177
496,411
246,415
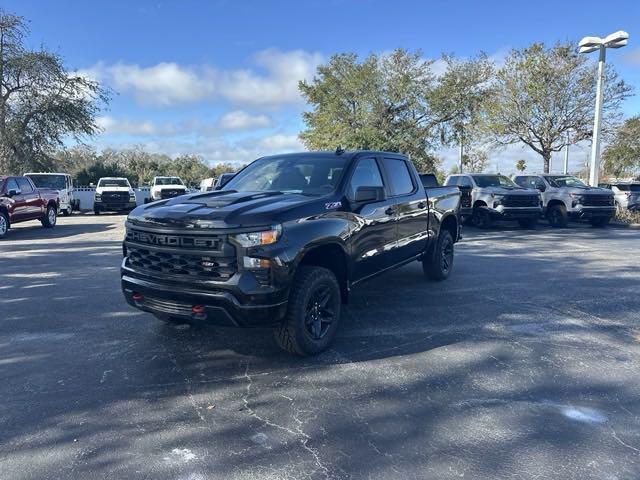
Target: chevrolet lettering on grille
159,239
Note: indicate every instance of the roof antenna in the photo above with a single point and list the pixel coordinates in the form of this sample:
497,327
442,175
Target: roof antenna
339,150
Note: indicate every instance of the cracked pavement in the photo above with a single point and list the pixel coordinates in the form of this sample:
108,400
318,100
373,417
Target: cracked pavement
524,364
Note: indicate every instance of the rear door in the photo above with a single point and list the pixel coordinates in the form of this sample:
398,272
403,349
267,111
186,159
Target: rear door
410,208
374,237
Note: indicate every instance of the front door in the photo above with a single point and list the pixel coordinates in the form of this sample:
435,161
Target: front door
374,238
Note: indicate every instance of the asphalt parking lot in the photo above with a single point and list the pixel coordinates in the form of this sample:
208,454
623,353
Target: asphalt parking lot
524,364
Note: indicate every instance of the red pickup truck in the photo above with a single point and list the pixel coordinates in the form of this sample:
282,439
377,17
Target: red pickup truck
20,201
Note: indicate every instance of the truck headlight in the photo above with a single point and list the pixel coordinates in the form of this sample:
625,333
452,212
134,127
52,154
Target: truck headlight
97,196
255,239
577,199
132,196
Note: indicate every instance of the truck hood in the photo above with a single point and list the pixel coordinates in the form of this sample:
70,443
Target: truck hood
226,209
509,191
586,190
168,187
113,189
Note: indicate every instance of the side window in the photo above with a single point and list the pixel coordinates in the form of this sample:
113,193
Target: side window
464,182
399,176
451,182
12,185
366,174
24,185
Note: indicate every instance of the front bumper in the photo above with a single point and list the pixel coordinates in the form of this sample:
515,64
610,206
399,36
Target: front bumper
516,212
582,212
113,206
234,303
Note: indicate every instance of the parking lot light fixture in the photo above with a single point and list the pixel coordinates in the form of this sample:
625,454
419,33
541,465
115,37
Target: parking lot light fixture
587,45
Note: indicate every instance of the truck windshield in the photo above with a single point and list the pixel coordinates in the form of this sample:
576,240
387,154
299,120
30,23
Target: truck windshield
304,174
635,187
494,181
168,181
564,181
113,182
56,182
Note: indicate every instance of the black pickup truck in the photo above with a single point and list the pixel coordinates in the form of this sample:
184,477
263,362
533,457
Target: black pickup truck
285,241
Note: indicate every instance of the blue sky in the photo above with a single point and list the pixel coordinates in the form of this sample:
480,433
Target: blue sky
218,78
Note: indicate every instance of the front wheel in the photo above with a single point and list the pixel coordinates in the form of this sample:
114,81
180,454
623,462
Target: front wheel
313,312
438,265
557,216
50,218
481,218
4,224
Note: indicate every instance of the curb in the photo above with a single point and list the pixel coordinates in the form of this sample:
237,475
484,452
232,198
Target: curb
621,225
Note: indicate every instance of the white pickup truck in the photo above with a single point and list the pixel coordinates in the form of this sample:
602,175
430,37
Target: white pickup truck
565,197
63,184
166,187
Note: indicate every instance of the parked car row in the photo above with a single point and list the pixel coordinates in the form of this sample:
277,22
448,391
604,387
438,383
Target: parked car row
487,198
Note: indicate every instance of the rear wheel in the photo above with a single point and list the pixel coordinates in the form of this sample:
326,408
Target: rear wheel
557,216
481,218
528,223
600,222
439,263
50,217
313,312
4,224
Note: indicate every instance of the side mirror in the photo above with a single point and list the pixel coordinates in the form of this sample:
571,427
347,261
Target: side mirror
13,193
369,194
92,184
541,187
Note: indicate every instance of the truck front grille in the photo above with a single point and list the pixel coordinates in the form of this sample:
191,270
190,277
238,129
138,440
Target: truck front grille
521,201
115,197
201,266
597,201
171,192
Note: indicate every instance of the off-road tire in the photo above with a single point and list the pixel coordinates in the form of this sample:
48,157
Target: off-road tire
50,217
4,225
437,265
557,216
292,335
481,218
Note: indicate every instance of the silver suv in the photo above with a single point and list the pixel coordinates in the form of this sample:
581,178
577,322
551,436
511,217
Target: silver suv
496,197
565,197
626,194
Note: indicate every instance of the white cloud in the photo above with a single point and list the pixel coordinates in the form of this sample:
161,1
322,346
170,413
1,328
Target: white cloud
240,120
112,126
274,82
278,85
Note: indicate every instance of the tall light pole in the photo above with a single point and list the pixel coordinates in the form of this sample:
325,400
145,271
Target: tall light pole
588,45
565,169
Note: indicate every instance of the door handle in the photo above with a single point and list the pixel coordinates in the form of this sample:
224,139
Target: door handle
390,211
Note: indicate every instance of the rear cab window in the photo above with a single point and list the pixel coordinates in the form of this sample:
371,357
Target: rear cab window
400,178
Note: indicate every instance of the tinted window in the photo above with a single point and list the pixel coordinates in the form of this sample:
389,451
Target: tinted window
564,181
366,174
528,182
56,182
629,187
399,176
464,182
24,185
12,185
113,182
451,182
484,181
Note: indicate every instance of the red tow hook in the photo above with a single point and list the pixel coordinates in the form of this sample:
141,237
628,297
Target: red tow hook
198,311
137,297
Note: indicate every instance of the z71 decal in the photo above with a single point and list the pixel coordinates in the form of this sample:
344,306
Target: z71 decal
332,205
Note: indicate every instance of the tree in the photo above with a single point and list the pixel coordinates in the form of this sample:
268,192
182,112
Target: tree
475,160
41,104
521,165
94,172
545,98
622,156
381,103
